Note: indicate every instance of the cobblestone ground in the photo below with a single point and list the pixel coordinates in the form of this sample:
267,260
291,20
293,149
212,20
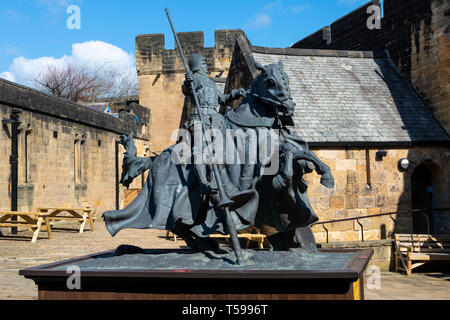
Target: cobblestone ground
18,253
418,286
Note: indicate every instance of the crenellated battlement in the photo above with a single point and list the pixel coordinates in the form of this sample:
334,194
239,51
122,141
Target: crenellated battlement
153,58
161,74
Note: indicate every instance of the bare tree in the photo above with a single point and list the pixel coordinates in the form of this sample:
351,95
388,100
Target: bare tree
116,84
71,82
81,83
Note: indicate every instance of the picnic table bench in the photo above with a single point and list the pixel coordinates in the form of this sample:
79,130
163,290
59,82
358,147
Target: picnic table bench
81,215
251,234
35,221
421,248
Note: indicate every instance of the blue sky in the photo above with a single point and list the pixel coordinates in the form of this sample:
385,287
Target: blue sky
32,29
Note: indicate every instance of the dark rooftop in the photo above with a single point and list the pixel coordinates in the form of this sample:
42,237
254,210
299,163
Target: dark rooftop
352,97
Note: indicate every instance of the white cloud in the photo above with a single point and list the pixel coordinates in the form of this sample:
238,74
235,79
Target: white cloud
7,76
98,53
260,21
93,54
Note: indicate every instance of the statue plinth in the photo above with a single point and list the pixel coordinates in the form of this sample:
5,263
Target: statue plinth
181,274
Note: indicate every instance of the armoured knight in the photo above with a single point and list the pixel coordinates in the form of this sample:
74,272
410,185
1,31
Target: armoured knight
209,97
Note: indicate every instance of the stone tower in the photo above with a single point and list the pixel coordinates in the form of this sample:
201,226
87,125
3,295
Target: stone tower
161,74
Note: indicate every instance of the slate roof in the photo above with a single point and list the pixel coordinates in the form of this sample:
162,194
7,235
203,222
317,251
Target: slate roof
100,107
352,97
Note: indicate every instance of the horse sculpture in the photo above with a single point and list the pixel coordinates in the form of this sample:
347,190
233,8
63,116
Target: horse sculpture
172,199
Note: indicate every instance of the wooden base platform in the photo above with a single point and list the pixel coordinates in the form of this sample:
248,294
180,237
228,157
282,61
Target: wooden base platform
184,284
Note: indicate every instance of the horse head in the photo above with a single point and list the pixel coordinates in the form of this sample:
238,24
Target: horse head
271,86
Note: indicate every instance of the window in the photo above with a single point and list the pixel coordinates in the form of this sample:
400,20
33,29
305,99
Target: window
78,158
24,137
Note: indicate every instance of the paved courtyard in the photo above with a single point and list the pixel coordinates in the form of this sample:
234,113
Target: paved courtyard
18,253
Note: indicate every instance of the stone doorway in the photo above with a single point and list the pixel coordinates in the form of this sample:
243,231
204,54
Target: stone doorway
422,198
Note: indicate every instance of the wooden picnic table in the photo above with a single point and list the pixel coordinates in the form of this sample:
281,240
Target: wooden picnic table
33,220
251,234
81,215
420,248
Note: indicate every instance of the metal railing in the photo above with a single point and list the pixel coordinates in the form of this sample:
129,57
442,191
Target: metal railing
421,211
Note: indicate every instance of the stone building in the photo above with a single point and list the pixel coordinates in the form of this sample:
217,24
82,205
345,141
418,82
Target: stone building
69,155
368,181
161,74
361,117
416,34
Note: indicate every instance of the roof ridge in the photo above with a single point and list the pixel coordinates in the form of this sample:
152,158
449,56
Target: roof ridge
320,52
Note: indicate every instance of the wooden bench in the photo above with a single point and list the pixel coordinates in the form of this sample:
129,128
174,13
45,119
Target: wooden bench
421,248
81,215
35,221
251,234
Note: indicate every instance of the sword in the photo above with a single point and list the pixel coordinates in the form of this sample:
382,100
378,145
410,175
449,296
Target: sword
224,201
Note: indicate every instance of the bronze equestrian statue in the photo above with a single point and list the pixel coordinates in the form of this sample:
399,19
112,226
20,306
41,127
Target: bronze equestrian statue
173,197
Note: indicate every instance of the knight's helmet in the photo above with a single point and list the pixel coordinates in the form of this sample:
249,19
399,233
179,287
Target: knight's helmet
195,61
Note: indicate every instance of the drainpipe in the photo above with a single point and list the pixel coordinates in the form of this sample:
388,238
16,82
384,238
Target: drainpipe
14,160
117,172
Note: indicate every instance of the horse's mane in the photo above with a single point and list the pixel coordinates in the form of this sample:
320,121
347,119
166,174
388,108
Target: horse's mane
270,68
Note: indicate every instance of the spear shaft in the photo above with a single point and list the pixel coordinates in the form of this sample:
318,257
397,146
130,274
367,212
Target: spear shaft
229,221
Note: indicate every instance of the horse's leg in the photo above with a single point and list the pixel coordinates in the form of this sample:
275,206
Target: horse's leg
184,233
305,238
321,168
300,238
282,241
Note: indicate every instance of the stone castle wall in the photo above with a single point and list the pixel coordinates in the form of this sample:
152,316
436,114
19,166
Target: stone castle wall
415,32
365,186
356,168
161,74
66,152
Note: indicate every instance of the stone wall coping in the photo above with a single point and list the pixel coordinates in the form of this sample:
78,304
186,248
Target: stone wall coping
357,244
357,10
320,52
376,144
217,34
18,96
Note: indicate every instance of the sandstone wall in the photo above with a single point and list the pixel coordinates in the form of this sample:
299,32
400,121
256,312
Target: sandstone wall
365,186
383,251
430,61
57,138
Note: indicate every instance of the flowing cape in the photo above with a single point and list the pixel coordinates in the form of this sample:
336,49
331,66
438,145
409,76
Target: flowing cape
171,195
